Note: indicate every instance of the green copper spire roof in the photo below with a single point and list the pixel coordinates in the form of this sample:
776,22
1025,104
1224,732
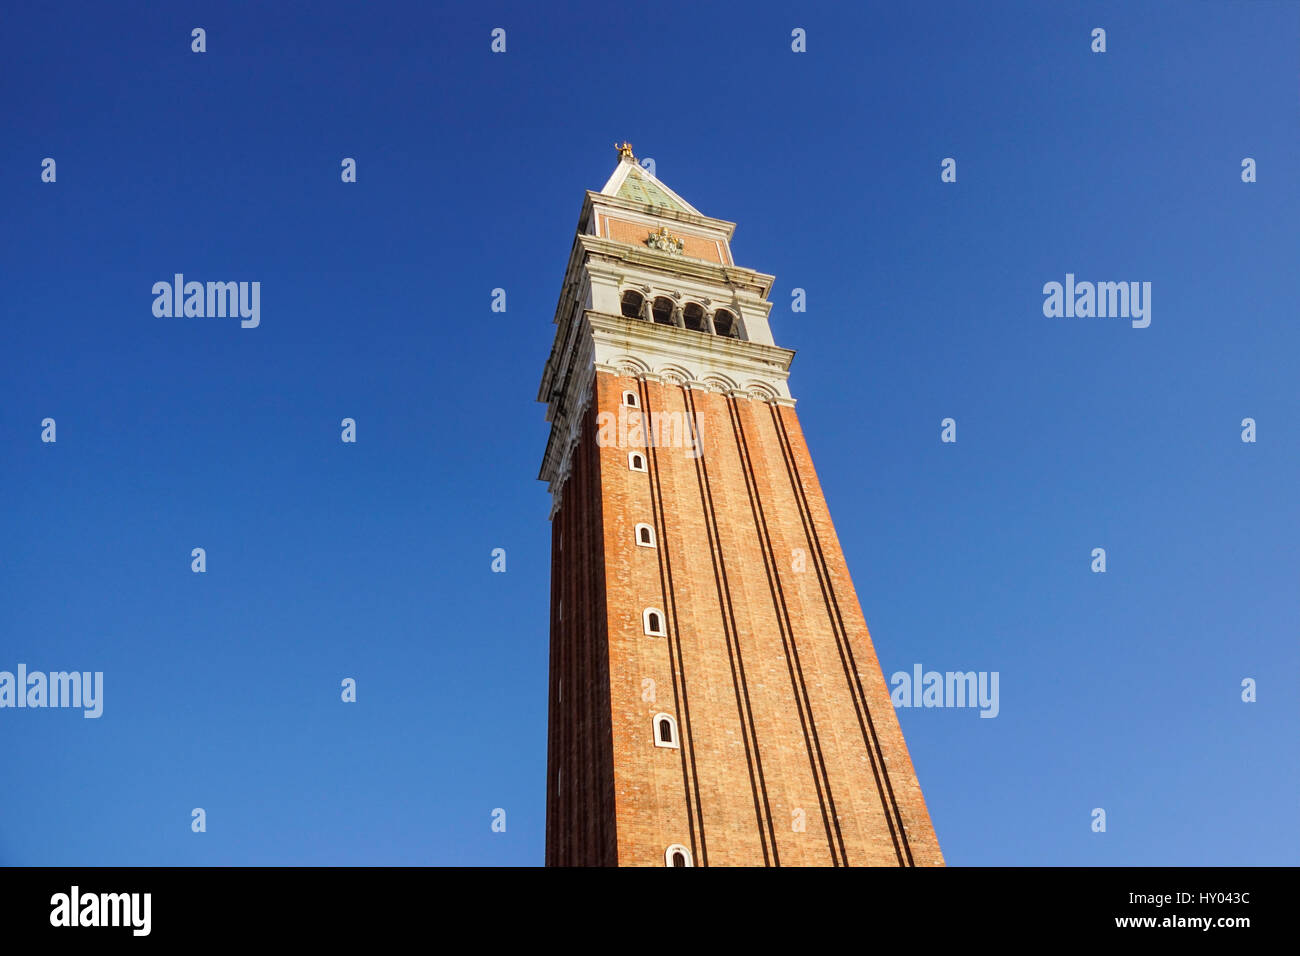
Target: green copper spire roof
639,189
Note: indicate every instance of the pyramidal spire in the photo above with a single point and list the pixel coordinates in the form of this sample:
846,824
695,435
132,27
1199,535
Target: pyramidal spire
634,181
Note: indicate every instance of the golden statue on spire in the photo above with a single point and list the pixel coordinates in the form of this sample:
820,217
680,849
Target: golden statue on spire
625,151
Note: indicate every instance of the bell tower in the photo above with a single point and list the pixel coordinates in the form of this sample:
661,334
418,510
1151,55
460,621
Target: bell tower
714,696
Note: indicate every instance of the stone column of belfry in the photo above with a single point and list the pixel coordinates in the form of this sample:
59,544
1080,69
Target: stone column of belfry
714,696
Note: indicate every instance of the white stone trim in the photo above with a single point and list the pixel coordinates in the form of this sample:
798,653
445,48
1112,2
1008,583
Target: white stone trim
674,849
696,356
654,353
645,622
674,741
593,336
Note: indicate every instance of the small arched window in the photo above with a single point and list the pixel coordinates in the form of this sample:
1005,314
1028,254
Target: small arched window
693,317
677,855
665,731
653,619
632,305
630,400
636,461
645,536
663,311
724,323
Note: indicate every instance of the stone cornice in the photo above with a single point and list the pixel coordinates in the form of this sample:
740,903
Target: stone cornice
638,347
606,256
601,342
591,336
735,277
720,226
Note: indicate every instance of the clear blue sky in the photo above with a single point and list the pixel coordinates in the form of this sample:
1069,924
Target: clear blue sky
1118,690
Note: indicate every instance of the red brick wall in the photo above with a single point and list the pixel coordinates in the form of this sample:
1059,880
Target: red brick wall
634,234
769,671
579,804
